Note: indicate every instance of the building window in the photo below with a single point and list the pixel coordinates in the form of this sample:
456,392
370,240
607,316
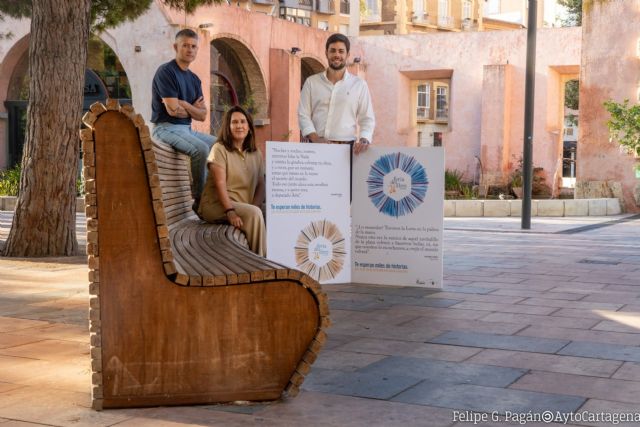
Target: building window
437,139
344,7
323,25
299,16
442,103
423,101
491,7
344,29
418,10
443,7
466,9
373,11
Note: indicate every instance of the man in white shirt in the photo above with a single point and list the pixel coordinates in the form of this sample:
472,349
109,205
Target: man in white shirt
335,103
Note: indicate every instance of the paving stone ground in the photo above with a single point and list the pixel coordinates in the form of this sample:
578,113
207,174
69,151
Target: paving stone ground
546,319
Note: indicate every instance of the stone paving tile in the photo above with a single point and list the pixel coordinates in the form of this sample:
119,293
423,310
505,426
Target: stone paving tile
605,278
59,331
581,335
583,314
4,387
392,332
466,289
189,416
623,288
579,385
377,317
55,407
578,287
335,339
528,285
628,371
11,340
613,326
613,297
369,384
489,278
547,362
478,297
505,308
489,399
437,312
411,349
596,406
572,304
569,296
466,325
48,350
602,351
444,372
11,324
533,319
358,288
345,360
319,409
631,308
504,342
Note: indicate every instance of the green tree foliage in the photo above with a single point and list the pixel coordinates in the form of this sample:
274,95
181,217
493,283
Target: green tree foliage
624,124
572,94
574,12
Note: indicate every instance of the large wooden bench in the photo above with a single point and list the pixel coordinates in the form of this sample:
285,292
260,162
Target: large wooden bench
181,311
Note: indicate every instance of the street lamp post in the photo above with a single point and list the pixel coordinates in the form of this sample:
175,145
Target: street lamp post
527,149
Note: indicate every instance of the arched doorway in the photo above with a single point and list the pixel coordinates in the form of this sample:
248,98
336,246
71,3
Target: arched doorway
236,78
104,78
309,66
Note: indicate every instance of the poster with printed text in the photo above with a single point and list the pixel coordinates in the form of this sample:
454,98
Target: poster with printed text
397,216
308,220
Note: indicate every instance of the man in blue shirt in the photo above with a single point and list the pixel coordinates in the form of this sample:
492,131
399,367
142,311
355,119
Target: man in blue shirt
176,100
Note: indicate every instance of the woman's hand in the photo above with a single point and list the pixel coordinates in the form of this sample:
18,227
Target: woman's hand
234,219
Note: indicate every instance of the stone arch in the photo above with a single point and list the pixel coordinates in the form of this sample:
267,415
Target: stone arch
233,60
10,67
309,65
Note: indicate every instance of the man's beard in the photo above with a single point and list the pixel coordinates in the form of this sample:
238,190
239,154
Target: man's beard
337,67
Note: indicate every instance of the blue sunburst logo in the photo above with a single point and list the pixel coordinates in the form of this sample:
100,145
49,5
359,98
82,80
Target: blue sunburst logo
397,184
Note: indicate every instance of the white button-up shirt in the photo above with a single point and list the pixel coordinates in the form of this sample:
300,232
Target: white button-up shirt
335,111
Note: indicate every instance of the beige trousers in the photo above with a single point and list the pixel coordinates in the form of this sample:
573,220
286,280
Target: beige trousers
252,222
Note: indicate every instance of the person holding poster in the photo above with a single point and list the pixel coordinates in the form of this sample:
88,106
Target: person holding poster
335,103
235,188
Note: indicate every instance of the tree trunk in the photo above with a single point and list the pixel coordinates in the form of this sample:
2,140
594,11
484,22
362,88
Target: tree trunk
44,221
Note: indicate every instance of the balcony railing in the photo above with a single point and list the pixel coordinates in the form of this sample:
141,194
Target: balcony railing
326,7
445,21
344,7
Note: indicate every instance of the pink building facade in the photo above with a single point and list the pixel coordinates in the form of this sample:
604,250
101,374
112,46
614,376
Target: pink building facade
462,90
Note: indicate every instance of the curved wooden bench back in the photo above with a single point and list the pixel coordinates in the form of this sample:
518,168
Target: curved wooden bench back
154,342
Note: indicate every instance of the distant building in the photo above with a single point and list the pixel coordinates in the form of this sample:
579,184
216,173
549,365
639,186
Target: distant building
386,17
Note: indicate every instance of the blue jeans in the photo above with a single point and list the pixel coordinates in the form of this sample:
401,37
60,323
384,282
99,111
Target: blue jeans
194,144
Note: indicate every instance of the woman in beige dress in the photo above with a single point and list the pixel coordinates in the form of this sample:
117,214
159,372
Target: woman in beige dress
235,185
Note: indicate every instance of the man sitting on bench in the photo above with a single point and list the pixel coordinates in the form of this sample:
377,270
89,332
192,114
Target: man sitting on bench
176,99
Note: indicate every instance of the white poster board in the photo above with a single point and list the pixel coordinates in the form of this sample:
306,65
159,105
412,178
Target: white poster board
397,216
308,222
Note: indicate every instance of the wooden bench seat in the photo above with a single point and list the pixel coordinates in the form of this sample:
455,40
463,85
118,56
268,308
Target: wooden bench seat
181,311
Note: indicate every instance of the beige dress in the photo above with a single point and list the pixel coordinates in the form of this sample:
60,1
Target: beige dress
244,171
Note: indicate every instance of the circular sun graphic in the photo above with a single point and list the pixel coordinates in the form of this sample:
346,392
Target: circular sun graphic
397,184
320,250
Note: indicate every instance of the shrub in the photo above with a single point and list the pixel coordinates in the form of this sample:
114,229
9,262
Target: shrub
453,180
10,181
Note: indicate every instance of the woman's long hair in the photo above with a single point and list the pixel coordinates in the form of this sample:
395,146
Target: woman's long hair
224,135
